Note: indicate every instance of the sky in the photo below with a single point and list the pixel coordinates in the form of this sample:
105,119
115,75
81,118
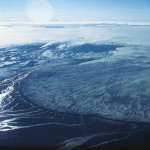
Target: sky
62,10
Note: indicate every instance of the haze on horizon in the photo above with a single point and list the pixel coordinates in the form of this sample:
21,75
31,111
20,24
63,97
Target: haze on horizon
75,10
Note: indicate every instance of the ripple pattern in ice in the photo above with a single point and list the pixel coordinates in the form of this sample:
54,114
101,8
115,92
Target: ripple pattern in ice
116,88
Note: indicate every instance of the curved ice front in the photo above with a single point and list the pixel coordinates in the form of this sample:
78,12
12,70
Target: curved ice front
113,82
18,62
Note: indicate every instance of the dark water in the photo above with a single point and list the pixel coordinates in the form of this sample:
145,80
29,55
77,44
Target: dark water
68,95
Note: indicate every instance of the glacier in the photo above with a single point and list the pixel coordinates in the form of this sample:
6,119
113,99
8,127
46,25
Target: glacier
86,84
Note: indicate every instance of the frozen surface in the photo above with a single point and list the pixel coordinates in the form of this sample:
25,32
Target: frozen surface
95,80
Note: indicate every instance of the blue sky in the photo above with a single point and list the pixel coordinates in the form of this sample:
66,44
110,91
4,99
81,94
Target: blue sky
100,10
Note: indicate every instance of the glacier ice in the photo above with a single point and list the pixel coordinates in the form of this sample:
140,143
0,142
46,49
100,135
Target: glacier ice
117,87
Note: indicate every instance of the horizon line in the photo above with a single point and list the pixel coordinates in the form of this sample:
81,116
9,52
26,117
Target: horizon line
71,22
